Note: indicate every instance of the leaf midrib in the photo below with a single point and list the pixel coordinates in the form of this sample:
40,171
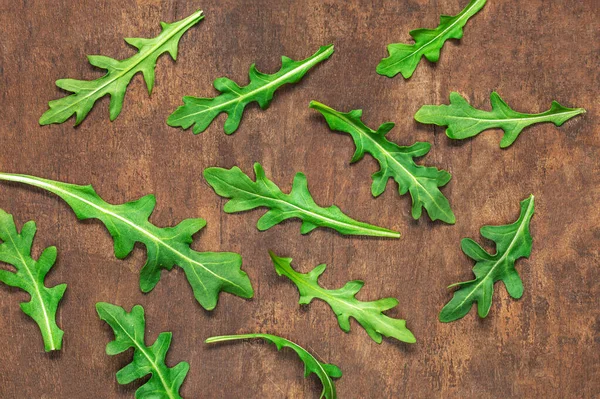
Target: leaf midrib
157,240
290,344
526,117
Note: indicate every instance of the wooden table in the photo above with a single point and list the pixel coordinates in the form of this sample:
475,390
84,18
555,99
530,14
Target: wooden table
532,52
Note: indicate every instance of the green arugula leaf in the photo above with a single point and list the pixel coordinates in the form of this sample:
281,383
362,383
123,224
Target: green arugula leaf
404,58
118,76
208,273
233,99
129,329
15,249
465,121
324,371
396,162
246,194
344,304
513,241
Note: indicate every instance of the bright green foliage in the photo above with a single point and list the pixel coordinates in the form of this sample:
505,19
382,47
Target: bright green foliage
15,249
118,75
464,121
344,304
396,162
207,272
404,58
513,241
129,329
246,194
324,371
233,99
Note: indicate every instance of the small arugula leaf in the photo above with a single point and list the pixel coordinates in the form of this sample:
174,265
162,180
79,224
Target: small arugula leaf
129,329
15,249
233,99
513,241
465,121
208,273
118,76
344,304
246,194
396,162
324,371
404,58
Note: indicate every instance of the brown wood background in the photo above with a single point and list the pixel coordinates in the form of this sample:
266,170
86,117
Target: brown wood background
545,345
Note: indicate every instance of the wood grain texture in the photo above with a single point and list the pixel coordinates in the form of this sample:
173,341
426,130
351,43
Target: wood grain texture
545,345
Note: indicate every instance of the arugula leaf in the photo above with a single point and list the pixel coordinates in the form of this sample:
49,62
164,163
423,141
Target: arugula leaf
396,162
246,194
15,249
465,121
233,99
513,241
118,75
344,304
324,371
129,329
207,272
404,58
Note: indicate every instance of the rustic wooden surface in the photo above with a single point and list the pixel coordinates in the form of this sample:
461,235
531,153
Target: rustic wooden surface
545,345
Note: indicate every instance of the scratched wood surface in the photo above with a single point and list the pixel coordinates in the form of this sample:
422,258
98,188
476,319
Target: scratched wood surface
545,345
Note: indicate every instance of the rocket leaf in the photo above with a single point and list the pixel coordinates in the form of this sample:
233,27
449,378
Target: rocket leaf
118,75
324,371
464,121
396,162
15,249
513,241
246,194
233,99
129,329
404,58
207,272
344,304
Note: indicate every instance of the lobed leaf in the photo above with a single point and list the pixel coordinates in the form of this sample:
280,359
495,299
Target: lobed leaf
118,75
465,121
324,371
29,275
513,241
200,112
129,329
344,304
404,58
208,273
246,194
395,162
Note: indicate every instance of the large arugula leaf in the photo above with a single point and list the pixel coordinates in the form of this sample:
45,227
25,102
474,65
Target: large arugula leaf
119,74
129,329
404,58
324,371
396,162
208,273
15,249
344,304
513,241
233,99
465,121
246,194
